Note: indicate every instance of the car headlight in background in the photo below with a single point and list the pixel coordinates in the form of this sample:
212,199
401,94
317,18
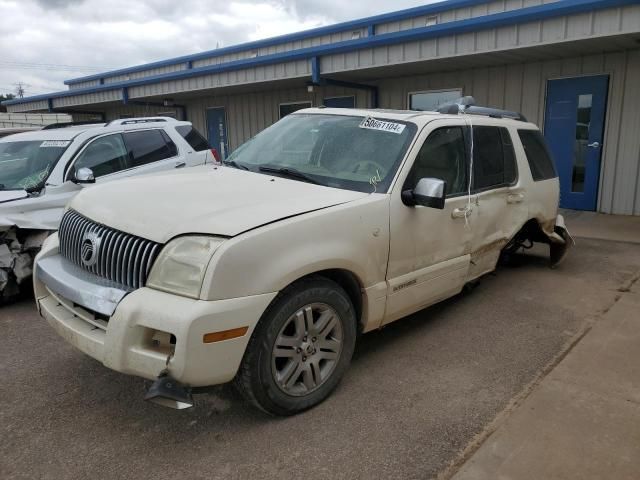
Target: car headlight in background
181,265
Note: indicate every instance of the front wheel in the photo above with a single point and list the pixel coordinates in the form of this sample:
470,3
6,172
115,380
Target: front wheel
300,349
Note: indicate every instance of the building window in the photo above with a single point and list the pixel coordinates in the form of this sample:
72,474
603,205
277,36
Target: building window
431,21
431,100
287,108
355,35
340,102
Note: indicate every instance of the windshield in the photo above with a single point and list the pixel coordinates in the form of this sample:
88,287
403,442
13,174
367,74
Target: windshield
353,153
26,165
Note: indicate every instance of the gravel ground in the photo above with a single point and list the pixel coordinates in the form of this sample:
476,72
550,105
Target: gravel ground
417,393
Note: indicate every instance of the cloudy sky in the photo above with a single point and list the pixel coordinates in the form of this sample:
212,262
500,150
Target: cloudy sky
44,42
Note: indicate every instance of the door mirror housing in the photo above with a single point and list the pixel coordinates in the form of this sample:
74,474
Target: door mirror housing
84,175
429,192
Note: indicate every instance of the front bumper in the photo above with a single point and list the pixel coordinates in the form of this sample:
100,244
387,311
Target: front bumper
126,341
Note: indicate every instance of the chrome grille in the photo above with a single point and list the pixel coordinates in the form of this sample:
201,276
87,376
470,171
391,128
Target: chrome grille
121,258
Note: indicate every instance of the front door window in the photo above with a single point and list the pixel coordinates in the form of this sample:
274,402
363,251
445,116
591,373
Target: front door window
104,156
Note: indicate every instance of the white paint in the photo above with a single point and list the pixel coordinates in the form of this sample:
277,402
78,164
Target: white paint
8,195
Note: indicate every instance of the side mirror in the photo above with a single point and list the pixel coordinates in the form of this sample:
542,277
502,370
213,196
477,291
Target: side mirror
429,192
84,175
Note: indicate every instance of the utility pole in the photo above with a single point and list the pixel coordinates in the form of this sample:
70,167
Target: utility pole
20,89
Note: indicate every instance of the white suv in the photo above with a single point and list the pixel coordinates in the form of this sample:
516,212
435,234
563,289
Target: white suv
330,223
41,171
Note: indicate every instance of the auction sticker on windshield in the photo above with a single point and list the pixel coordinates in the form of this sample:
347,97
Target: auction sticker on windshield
371,123
55,143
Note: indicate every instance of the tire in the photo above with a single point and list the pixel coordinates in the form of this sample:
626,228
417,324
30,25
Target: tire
300,349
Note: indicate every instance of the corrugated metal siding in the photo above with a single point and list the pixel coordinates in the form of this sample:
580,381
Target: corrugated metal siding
522,87
285,47
611,21
458,14
147,73
89,98
90,83
406,24
266,73
249,113
114,113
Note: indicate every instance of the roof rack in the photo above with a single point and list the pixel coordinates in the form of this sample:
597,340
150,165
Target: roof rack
468,105
53,126
134,121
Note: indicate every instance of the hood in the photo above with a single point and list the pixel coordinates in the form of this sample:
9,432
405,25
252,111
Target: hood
217,201
41,211
9,195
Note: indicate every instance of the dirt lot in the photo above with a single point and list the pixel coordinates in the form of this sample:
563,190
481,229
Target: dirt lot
417,393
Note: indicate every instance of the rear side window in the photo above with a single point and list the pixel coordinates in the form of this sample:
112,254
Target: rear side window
538,155
193,138
493,158
149,146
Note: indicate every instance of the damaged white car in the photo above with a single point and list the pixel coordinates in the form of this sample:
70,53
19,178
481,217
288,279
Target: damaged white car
330,223
41,171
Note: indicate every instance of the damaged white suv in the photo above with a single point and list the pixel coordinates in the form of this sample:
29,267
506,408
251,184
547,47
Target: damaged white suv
329,223
41,171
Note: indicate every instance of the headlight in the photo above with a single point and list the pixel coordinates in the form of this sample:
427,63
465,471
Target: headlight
181,265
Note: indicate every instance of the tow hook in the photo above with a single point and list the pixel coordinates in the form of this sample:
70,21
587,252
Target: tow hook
168,392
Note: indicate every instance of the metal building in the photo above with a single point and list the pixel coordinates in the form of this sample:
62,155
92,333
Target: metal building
571,66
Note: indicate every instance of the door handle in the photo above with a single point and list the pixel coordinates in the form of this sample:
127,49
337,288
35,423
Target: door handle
594,145
461,212
180,164
515,198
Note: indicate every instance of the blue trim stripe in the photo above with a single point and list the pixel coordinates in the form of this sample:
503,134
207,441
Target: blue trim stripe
540,12
269,42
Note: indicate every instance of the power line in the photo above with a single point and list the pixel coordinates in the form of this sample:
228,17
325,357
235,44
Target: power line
53,66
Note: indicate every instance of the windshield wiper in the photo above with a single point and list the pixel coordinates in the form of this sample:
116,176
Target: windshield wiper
234,164
291,173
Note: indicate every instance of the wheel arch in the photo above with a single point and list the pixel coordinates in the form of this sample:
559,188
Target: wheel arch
347,280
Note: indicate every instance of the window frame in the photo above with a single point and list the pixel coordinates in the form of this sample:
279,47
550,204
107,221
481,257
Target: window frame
341,96
438,90
197,133
69,169
162,133
308,103
515,158
548,153
465,135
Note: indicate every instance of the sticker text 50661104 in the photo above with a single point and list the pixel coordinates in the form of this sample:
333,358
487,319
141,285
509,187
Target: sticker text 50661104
373,124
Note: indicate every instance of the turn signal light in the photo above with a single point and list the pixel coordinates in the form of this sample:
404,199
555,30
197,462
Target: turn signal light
225,335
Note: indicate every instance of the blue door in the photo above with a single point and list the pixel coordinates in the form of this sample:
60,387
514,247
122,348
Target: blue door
340,102
573,127
217,131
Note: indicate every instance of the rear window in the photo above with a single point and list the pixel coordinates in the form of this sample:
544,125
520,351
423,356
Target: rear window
193,138
149,146
538,155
